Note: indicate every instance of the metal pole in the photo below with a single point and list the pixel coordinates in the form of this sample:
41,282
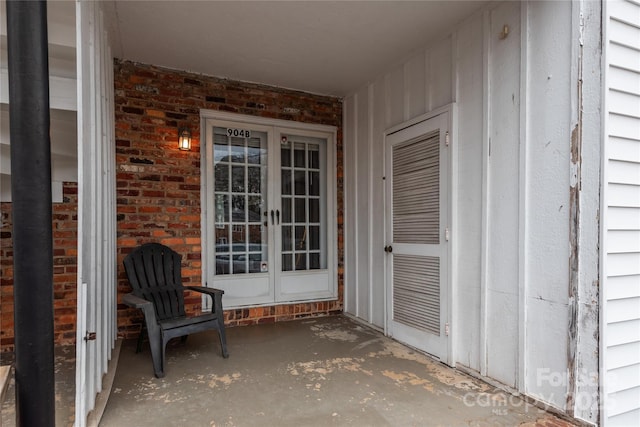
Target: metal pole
31,196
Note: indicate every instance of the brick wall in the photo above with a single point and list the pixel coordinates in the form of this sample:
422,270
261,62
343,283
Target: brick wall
65,230
158,186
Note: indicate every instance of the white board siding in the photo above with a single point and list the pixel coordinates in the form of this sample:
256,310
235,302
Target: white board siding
377,126
363,293
416,77
409,89
504,133
97,263
350,210
512,192
470,54
621,216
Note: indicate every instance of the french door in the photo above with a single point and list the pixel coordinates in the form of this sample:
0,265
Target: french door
417,234
268,219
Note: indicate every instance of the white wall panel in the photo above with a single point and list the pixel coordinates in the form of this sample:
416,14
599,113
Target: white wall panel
363,206
440,73
350,207
415,86
402,93
547,221
526,211
96,207
504,157
377,103
395,97
468,226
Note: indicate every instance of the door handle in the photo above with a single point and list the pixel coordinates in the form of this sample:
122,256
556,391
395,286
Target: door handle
388,249
272,220
278,216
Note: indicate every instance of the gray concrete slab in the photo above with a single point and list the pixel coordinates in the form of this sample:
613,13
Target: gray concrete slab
313,372
65,388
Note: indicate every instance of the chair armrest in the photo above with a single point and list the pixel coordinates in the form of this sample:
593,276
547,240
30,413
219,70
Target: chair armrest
135,301
147,308
215,294
204,290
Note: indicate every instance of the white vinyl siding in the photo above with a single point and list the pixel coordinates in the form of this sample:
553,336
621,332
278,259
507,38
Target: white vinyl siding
621,216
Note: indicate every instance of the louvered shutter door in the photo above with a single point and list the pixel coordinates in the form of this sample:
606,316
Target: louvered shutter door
416,219
416,191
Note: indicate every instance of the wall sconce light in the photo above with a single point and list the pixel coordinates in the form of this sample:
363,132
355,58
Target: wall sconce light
184,139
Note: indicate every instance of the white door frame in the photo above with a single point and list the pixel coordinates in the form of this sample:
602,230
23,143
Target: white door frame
450,112
274,128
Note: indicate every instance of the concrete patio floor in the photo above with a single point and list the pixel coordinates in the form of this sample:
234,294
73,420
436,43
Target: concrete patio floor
312,372
65,388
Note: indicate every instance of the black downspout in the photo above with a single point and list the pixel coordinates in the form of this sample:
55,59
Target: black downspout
31,197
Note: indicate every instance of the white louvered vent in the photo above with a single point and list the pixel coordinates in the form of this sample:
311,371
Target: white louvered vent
416,191
416,292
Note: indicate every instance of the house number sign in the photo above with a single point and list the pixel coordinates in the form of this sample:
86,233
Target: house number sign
239,133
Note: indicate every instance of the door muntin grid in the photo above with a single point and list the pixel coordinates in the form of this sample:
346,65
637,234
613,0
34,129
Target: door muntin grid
303,202
240,200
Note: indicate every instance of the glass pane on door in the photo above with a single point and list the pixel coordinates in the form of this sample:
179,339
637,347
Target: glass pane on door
240,174
303,201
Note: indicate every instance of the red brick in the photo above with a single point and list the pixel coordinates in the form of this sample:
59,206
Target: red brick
167,207
64,272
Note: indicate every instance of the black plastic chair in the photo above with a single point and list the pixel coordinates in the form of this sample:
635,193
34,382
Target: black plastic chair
154,271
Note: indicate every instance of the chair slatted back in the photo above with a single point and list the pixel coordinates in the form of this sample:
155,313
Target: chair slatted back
154,271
